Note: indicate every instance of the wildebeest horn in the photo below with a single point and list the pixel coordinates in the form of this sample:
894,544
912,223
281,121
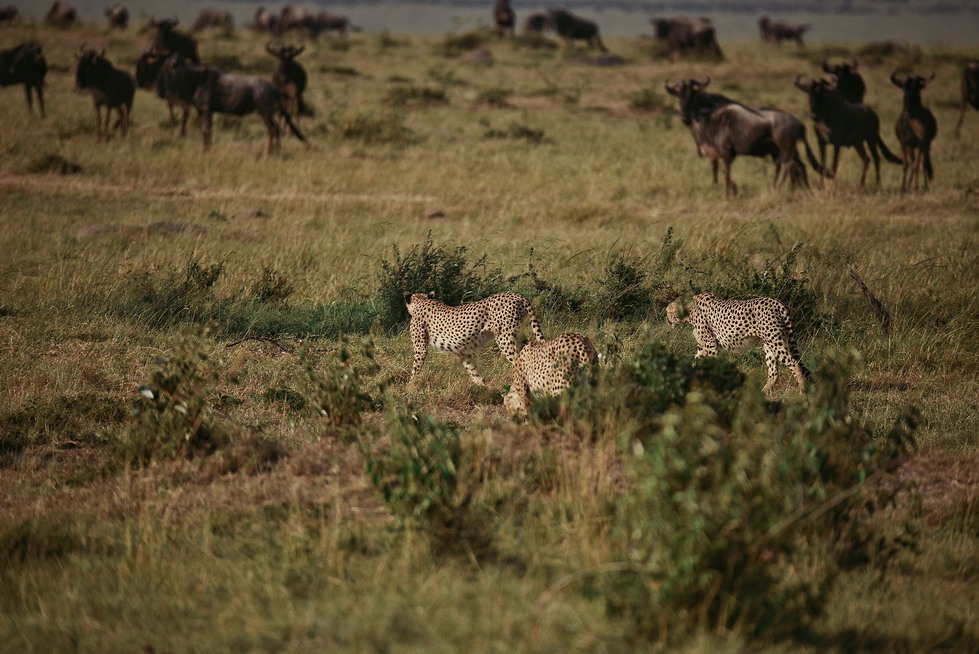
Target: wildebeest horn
805,87
932,76
302,46
826,67
834,80
272,51
705,84
897,81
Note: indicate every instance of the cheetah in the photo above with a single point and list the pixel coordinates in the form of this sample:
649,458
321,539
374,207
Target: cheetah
465,329
737,324
547,366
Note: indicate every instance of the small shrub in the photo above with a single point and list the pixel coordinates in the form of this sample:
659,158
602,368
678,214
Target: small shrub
625,293
385,40
531,41
271,287
494,97
648,99
425,268
456,44
373,128
52,163
445,76
517,131
337,390
404,95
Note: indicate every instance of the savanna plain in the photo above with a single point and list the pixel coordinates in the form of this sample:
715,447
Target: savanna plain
208,442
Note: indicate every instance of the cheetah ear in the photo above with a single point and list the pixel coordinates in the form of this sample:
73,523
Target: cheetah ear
407,297
431,294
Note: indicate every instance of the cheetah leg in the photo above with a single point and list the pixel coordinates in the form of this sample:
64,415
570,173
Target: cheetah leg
518,399
419,340
507,342
469,361
771,362
799,371
706,343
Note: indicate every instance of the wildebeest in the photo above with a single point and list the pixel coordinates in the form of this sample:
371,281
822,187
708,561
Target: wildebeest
208,18
169,41
723,128
685,35
574,28
970,91
110,88
504,17
214,91
265,21
8,13
773,31
535,23
327,22
289,76
25,64
149,76
118,16
849,82
294,18
844,124
915,129
61,14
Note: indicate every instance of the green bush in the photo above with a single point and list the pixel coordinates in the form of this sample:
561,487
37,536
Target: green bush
271,287
425,268
337,390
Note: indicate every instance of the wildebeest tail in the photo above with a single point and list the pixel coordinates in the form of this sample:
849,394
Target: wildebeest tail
305,109
812,160
890,156
599,43
292,125
929,171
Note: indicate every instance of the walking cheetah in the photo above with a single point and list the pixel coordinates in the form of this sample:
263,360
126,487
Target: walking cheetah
465,329
737,324
547,366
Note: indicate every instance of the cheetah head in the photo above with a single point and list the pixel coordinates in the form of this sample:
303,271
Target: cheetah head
513,404
413,300
673,310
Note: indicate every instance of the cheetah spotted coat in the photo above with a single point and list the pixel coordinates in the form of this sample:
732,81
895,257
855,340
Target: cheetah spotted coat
547,366
466,329
737,324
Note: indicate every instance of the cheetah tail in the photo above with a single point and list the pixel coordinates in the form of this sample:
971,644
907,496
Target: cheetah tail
535,323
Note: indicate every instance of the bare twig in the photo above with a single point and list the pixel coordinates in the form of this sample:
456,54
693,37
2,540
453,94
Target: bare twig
265,339
568,579
875,304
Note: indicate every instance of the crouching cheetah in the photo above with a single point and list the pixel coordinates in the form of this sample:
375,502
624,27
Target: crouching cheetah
547,366
737,324
465,329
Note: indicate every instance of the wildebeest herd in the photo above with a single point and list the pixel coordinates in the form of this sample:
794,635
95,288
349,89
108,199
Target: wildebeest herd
722,127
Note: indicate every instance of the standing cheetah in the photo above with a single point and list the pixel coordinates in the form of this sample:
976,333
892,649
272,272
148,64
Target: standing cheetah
547,366
737,324
465,329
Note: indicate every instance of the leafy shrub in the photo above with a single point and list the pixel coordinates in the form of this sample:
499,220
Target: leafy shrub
372,128
271,287
648,99
731,498
425,268
337,391
404,95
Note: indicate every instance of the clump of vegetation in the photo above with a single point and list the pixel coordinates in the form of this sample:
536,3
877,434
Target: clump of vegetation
648,99
86,418
456,44
372,128
52,163
532,41
517,131
337,391
445,76
425,268
271,287
494,97
404,94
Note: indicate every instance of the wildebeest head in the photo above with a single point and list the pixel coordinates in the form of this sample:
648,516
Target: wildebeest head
821,92
148,69
90,65
693,99
912,85
165,24
849,81
284,52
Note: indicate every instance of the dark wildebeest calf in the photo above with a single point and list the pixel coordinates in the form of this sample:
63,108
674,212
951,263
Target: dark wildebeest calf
773,31
149,75
213,91
208,18
25,64
504,17
915,129
970,91
61,14
118,17
289,76
723,129
849,81
575,28
685,35
8,13
110,88
844,124
169,41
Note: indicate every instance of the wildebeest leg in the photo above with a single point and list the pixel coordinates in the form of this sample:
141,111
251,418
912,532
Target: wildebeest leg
124,112
272,126
905,165
866,163
30,100
836,159
39,90
731,187
822,154
926,159
958,125
915,168
207,124
713,167
108,118
98,120
872,145
173,119
183,122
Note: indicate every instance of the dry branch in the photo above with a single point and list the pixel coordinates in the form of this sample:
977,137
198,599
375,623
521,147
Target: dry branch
875,304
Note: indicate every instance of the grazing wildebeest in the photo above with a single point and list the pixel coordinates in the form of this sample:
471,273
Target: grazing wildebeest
266,21
8,13
327,22
970,91
149,75
61,14
849,81
535,23
915,129
844,124
504,17
685,35
118,16
208,18
723,128
295,18
110,88
25,64
574,28
773,31
214,91
289,76
169,41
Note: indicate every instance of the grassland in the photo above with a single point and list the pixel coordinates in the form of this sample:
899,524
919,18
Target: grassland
272,536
